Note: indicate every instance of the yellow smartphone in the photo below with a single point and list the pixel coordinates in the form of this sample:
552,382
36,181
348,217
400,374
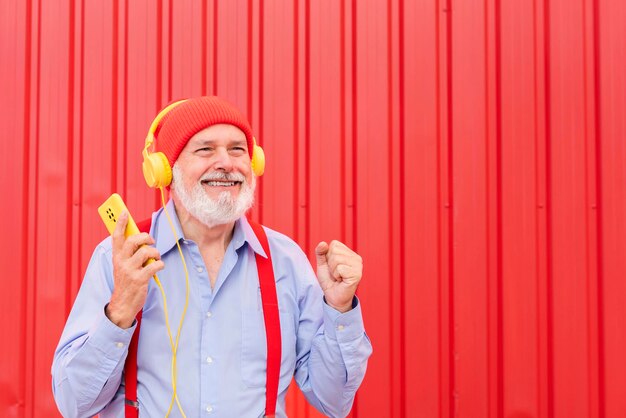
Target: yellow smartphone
110,212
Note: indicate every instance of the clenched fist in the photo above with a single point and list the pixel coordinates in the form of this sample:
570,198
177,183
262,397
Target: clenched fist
339,271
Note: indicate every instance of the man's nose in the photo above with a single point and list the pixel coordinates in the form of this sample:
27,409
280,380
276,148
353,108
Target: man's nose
223,160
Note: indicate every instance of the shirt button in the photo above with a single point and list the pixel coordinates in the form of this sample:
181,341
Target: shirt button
209,409
209,360
119,345
209,314
199,269
340,327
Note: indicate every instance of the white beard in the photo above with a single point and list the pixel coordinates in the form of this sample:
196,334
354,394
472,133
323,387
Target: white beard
225,209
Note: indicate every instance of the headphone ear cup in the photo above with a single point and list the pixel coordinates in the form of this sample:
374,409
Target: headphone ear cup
157,170
258,161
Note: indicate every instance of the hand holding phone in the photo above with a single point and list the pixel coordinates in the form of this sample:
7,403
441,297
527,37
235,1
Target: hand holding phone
134,262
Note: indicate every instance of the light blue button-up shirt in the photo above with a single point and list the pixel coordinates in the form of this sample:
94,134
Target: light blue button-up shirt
222,352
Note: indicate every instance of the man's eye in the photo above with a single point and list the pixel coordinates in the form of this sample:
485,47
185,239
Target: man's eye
206,149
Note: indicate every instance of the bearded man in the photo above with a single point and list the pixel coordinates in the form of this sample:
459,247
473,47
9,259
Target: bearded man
230,355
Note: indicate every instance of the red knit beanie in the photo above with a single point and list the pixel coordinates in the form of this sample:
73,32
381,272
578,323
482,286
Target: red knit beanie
188,118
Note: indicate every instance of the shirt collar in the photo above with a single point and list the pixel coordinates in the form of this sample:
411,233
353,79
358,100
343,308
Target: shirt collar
165,239
163,234
243,226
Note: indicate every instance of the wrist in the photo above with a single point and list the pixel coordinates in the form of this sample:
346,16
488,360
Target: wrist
118,318
343,308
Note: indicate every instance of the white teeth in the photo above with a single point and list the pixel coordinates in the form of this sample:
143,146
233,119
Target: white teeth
220,183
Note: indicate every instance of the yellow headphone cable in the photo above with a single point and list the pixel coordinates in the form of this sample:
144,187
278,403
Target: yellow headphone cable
174,345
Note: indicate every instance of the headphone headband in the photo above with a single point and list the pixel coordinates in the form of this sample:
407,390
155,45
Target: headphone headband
156,167
157,120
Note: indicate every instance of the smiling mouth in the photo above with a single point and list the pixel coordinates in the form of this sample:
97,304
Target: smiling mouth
220,183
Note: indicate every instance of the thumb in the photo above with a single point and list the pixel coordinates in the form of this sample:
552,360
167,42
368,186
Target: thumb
118,232
320,253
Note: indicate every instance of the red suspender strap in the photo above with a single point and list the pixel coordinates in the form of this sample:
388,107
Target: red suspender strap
271,317
130,367
130,375
269,299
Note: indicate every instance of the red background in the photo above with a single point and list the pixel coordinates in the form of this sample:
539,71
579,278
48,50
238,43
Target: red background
473,152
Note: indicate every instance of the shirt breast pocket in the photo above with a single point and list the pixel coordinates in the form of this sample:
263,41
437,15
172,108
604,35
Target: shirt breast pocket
254,349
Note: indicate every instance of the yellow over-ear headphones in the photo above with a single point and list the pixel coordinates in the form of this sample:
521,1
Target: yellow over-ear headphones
156,168
258,159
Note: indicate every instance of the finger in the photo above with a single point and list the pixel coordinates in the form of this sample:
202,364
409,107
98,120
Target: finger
153,268
338,247
340,272
333,276
335,259
118,232
133,243
339,253
352,260
320,253
143,254
344,272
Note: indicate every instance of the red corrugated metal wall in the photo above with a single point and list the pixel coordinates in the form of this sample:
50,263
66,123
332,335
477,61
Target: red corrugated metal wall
473,151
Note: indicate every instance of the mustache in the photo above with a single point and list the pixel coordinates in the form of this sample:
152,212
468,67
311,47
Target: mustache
220,175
